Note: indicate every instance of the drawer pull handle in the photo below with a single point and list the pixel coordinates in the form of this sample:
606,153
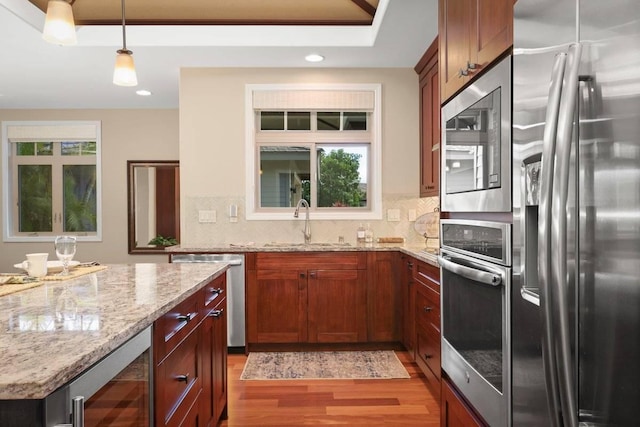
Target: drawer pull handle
471,65
184,317
216,313
302,275
410,265
312,274
427,309
463,73
183,378
427,356
217,291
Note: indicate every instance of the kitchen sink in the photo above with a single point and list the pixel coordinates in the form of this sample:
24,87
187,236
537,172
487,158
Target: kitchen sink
322,245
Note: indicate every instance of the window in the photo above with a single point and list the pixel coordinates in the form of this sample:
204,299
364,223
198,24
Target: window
320,144
51,180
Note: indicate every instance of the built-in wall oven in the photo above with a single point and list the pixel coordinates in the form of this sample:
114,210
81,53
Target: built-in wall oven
476,145
475,261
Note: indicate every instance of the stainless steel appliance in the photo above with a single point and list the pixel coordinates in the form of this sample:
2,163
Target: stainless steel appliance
118,390
475,288
576,222
235,293
476,145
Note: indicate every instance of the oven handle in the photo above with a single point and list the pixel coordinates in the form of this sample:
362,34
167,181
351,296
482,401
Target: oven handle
476,272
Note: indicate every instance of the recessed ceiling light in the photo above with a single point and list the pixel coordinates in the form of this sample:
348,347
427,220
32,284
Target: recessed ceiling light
314,57
143,92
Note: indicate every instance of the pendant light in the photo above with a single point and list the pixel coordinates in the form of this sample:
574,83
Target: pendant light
59,26
124,73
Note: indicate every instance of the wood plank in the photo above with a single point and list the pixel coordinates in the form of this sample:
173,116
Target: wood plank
396,402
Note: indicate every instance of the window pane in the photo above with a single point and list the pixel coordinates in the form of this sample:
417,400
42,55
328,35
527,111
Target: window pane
34,198
284,175
354,121
80,148
342,175
272,120
44,148
298,120
328,121
80,198
26,148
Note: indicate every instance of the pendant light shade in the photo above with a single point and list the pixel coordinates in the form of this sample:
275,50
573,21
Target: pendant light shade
124,73
59,26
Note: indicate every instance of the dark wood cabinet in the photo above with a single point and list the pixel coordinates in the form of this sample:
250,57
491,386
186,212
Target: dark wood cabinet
428,71
384,296
214,331
306,298
337,301
426,321
454,412
407,264
190,355
472,33
276,306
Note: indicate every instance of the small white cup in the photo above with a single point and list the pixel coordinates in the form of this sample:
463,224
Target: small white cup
36,264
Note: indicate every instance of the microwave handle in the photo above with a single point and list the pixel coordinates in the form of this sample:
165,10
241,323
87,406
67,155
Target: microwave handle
77,413
476,273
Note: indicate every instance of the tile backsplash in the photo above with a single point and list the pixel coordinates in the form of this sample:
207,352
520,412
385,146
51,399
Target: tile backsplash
223,232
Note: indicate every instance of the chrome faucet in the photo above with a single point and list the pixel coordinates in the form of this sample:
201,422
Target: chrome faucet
307,225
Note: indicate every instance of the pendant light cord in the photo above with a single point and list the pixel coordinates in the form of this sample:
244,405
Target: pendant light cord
124,32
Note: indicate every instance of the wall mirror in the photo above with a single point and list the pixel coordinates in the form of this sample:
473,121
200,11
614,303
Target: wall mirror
153,205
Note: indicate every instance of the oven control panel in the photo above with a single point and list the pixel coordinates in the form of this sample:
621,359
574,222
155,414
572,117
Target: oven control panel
482,239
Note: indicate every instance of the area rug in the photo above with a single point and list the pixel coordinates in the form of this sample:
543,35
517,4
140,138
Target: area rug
323,365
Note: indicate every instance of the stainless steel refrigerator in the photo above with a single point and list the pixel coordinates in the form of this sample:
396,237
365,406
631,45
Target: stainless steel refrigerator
576,213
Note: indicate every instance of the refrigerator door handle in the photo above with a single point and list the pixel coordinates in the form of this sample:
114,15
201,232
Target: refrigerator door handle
544,236
559,233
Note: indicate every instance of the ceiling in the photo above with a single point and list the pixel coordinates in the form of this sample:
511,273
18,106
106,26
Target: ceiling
204,33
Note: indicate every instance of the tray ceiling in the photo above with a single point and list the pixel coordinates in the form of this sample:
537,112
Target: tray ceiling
222,12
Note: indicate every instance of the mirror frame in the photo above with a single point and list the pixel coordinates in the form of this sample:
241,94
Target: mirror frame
131,213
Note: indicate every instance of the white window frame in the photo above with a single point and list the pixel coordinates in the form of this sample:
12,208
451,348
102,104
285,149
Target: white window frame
7,180
252,176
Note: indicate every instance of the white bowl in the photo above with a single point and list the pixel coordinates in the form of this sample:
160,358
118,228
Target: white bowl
52,266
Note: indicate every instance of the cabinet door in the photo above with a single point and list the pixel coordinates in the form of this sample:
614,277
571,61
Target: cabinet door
430,129
471,32
408,311
455,21
214,349
383,297
453,411
277,306
219,362
494,33
337,306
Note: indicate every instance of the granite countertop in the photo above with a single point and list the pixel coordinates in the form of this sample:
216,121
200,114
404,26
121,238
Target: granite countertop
417,251
52,333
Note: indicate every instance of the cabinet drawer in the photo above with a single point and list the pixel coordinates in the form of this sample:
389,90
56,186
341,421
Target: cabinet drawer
428,309
428,351
179,381
427,275
311,260
214,292
174,326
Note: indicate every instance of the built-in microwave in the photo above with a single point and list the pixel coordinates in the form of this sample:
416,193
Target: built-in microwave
476,145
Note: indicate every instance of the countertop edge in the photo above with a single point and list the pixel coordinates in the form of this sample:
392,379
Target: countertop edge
40,390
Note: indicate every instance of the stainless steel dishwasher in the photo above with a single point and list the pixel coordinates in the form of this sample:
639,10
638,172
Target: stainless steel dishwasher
235,292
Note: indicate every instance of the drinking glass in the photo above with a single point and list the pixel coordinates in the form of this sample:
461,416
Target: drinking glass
65,250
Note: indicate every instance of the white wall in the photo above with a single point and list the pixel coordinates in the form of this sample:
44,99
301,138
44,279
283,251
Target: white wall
126,135
212,152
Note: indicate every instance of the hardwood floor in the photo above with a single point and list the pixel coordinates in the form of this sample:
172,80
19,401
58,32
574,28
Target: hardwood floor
368,403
